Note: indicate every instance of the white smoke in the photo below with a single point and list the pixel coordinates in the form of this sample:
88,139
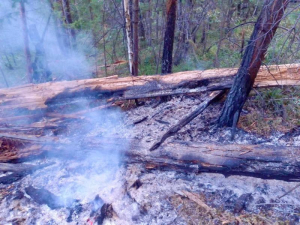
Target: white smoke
83,172
12,61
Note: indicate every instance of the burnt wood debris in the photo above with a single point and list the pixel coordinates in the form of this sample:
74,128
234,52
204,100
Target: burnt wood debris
45,108
82,145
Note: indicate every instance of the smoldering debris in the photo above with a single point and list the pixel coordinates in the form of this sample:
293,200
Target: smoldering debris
108,190
43,196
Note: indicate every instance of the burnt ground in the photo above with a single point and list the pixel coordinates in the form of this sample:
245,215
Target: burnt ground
77,189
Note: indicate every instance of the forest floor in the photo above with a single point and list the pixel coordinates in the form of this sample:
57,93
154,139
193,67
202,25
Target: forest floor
139,196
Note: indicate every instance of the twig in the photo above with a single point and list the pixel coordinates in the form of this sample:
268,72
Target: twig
294,188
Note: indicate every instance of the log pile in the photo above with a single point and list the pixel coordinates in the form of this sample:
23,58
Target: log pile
29,113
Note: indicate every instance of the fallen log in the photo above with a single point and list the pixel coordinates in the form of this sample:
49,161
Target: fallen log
40,97
266,162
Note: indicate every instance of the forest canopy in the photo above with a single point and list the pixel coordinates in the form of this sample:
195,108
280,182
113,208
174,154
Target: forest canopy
73,39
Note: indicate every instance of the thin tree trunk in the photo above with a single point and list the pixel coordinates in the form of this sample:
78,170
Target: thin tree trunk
169,37
60,32
26,43
141,28
92,20
68,19
40,69
262,35
136,38
128,35
104,40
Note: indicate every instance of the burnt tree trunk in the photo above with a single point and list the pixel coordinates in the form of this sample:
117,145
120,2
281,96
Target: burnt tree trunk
263,33
26,43
135,38
169,37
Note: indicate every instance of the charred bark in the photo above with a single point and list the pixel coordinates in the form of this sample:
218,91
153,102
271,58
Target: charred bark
261,37
266,162
42,98
167,57
45,197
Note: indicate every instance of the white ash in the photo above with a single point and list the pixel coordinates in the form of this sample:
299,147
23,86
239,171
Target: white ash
152,202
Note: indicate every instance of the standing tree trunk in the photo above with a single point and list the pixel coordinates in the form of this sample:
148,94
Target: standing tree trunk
40,69
68,19
135,38
94,35
128,34
104,38
26,43
169,37
60,32
263,33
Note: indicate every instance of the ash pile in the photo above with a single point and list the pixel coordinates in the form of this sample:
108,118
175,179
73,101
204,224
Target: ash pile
86,162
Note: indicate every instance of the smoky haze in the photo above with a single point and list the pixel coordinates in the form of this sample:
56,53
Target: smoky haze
64,63
77,174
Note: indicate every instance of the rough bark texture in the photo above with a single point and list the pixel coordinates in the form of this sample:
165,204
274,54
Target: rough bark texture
267,162
26,43
69,21
136,38
169,37
261,37
42,97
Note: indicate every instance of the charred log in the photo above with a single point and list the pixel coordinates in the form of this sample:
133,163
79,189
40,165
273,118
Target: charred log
266,162
45,197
